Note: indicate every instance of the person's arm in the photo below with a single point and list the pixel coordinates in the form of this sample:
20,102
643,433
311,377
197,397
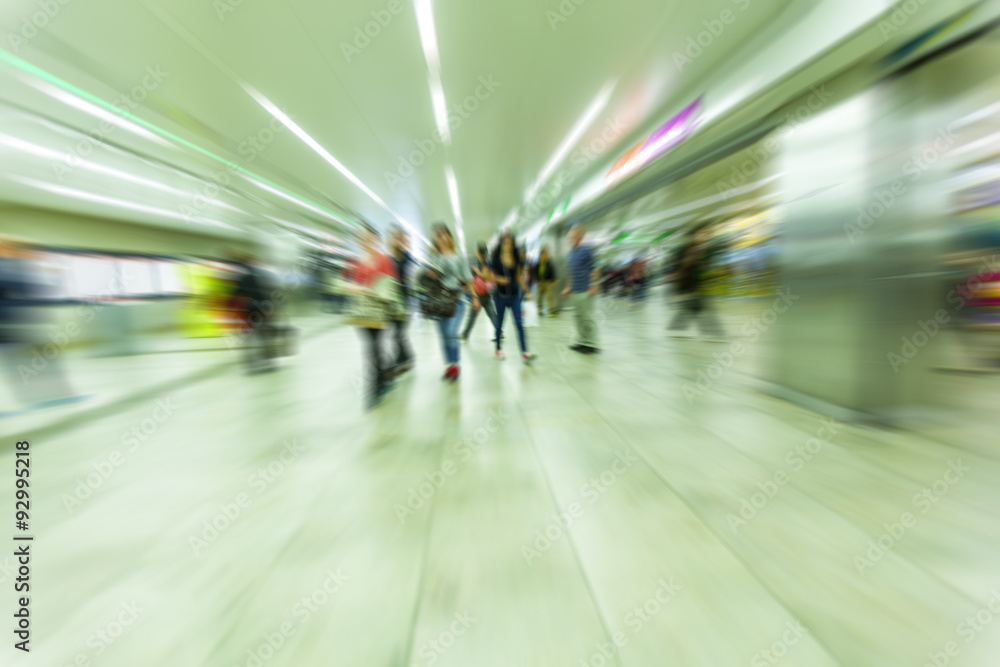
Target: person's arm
470,287
595,275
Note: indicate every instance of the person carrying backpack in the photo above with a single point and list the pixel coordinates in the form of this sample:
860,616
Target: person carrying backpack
449,269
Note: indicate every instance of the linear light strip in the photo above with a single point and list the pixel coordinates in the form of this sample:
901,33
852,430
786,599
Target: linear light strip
23,65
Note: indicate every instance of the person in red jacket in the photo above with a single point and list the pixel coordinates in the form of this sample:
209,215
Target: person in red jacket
367,274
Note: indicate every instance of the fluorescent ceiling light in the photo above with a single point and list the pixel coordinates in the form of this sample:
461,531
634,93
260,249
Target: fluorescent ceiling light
595,107
49,154
312,143
285,120
110,201
77,102
180,141
986,112
428,40
456,204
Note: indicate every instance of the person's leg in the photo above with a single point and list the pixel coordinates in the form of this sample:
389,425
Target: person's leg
588,331
489,305
681,318
442,326
372,363
519,322
501,307
575,300
404,353
709,322
550,288
471,320
451,329
252,340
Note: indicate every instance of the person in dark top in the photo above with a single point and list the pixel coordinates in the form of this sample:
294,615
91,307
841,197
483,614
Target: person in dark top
253,294
584,279
691,264
544,273
484,290
403,261
508,270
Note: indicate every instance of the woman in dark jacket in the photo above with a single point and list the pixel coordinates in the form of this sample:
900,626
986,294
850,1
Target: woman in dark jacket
507,270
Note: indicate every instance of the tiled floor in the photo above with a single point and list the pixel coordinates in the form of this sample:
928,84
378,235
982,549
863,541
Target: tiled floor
727,529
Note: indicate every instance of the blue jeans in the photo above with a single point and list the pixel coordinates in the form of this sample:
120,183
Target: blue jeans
513,303
449,332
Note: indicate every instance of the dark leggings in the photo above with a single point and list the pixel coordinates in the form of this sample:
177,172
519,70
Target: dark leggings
514,304
374,364
404,354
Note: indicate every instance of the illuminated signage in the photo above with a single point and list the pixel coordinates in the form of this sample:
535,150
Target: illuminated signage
666,137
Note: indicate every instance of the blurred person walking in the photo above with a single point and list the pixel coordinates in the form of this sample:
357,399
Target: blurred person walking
403,262
544,272
374,306
252,295
484,289
33,362
584,282
450,270
508,271
691,265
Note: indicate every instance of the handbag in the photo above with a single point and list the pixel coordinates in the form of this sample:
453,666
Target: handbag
529,314
373,311
483,287
437,301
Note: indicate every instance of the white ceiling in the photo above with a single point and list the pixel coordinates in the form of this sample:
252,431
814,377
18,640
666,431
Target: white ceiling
365,110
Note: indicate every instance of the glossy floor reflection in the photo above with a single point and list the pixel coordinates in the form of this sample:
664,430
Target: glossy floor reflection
581,510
